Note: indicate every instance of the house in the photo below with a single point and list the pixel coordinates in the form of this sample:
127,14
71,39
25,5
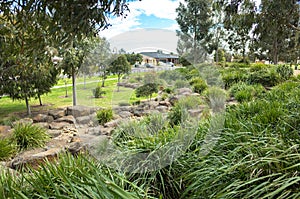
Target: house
156,58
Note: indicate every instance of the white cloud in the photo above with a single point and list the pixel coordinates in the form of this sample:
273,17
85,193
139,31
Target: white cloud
159,8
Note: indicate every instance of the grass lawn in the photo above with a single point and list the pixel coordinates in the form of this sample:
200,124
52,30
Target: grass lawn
56,98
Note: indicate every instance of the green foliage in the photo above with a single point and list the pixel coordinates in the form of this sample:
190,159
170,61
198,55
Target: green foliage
120,66
258,67
68,177
104,115
266,78
198,84
8,148
28,135
179,112
284,71
98,92
244,92
216,98
232,76
181,84
146,90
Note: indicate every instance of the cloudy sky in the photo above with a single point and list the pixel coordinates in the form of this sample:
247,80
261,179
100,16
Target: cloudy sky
146,14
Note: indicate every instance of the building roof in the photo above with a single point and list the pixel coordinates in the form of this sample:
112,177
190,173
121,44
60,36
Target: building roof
159,55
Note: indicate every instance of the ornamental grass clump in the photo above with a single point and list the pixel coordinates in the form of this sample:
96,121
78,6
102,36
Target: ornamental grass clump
28,135
8,148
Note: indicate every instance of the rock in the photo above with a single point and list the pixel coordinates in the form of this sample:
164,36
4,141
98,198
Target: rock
164,103
54,133
173,100
184,91
75,147
83,120
34,160
69,119
70,130
42,124
59,125
112,124
79,111
162,109
24,120
43,118
5,131
195,112
57,113
125,114
122,108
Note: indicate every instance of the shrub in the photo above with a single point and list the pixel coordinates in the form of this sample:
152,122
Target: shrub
216,97
199,85
146,90
181,84
8,148
284,71
104,115
168,90
27,135
244,92
258,67
98,92
267,78
231,77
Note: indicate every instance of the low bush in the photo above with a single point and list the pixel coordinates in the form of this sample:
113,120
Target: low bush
104,115
8,148
216,98
28,135
231,77
98,92
258,67
267,78
181,84
244,92
198,84
284,71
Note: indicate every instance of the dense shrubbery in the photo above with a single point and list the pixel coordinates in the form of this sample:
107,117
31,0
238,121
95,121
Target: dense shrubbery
104,115
27,136
8,148
255,155
98,92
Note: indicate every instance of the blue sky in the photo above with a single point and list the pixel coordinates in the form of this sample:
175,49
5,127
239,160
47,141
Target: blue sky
146,14
158,14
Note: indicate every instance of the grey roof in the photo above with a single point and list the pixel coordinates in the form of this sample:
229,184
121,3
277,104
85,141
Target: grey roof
159,55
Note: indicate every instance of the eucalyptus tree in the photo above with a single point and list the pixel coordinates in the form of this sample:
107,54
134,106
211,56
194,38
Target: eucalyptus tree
98,59
194,20
275,27
120,66
61,24
26,70
239,22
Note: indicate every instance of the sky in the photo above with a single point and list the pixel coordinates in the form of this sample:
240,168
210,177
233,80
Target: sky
146,20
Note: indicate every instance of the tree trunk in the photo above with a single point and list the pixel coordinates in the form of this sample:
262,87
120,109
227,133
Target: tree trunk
40,100
275,51
28,107
84,81
74,86
119,76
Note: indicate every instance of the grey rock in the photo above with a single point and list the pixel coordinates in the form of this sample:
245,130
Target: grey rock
83,120
59,125
54,133
43,118
69,119
5,131
79,111
125,114
43,125
57,113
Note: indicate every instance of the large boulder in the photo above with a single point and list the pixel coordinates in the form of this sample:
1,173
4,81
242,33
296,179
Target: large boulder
5,131
59,125
57,113
43,118
68,119
79,111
